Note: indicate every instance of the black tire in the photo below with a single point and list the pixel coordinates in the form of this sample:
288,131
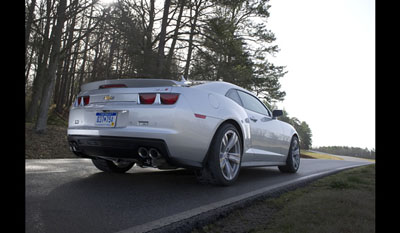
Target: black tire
110,166
218,165
293,158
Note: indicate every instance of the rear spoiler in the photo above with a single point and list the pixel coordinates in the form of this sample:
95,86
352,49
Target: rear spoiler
140,83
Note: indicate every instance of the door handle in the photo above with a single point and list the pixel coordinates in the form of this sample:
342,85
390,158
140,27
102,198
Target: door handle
265,119
253,118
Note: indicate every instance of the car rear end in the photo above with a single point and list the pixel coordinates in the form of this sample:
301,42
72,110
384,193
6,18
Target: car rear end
148,121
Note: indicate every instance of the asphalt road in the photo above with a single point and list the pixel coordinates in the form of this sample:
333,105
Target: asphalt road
71,195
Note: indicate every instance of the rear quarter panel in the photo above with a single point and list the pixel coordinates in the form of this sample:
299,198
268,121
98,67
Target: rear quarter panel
288,132
218,109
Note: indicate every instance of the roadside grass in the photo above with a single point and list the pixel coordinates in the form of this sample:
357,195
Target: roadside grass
313,155
370,160
344,202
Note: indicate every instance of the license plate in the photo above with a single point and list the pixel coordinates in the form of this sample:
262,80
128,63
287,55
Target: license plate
106,119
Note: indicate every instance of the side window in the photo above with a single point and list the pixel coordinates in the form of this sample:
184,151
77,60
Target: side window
232,94
253,104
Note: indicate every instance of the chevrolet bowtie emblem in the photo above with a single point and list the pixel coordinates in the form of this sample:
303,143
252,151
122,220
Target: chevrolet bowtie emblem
108,97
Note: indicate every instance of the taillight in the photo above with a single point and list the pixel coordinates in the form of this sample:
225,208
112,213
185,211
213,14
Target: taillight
86,100
169,98
112,86
165,98
147,98
82,101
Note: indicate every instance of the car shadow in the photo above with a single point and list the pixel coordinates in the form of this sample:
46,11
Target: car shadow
107,202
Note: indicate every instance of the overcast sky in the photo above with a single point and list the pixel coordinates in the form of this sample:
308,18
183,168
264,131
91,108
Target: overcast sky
329,50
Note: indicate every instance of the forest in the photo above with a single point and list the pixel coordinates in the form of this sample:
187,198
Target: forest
302,128
72,42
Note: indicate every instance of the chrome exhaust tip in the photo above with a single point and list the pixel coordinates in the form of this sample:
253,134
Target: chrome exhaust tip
143,152
73,147
154,153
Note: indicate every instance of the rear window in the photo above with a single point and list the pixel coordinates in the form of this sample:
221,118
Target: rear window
232,94
252,103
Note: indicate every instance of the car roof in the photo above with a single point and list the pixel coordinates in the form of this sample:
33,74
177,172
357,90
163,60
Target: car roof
219,87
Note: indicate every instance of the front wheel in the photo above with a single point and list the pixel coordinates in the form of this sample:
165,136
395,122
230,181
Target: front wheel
293,159
224,157
111,166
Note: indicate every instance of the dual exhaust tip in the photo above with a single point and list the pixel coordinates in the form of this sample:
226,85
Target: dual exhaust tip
146,153
73,146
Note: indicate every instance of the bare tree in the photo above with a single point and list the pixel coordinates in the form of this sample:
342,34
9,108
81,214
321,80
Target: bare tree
43,56
193,24
28,27
41,123
181,4
161,43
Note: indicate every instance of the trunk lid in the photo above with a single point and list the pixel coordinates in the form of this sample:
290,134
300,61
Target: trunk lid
124,90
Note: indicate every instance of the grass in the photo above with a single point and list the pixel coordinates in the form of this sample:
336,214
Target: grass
313,155
344,202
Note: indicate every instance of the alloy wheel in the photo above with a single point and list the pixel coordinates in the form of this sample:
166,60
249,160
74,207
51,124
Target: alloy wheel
229,156
295,154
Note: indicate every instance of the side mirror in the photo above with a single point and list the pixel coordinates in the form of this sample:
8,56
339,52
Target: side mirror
277,113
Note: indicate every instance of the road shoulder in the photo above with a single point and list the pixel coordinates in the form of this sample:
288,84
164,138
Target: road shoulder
194,218
343,202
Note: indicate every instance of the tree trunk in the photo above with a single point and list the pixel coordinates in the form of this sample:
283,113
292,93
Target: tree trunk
161,44
175,37
62,69
111,56
82,68
43,56
41,123
73,68
96,67
192,28
63,88
147,66
27,71
28,30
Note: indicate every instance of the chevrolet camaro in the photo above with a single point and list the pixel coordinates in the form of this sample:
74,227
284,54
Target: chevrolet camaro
213,128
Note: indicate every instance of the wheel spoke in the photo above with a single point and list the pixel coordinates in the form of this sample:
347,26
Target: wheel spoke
228,169
225,140
295,162
234,157
232,141
296,153
222,162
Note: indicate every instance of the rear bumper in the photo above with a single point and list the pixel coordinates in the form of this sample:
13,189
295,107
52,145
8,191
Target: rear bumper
117,147
122,148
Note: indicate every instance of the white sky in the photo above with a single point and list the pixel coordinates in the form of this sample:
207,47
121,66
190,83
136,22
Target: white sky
329,50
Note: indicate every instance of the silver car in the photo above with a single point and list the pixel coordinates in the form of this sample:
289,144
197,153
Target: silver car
214,128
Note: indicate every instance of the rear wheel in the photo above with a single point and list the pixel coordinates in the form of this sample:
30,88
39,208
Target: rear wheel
112,166
293,159
224,157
